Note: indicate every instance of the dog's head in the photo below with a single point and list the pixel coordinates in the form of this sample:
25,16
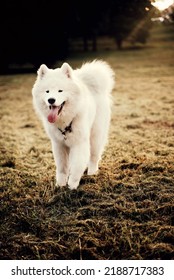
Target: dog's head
55,93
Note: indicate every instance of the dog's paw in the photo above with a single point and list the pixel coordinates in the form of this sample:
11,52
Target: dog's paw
61,180
72,187
92,169
73,184
92,172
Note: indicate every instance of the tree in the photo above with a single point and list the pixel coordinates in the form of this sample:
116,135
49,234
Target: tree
123,16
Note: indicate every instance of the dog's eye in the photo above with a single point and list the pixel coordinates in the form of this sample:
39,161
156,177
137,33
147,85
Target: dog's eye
47,91
60,90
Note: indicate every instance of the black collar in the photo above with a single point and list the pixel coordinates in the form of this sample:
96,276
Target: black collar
66,129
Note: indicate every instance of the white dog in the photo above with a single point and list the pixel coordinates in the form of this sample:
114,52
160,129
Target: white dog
75,107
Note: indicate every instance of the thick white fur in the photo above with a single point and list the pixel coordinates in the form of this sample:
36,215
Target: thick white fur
86,92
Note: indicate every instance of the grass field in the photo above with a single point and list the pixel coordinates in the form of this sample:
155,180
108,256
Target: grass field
124,212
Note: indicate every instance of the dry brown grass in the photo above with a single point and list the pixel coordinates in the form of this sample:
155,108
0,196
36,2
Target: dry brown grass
127,210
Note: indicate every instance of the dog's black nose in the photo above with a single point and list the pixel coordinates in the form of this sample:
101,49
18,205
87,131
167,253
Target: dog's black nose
51,101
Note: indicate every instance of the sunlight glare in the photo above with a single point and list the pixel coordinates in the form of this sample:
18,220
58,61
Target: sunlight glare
162,4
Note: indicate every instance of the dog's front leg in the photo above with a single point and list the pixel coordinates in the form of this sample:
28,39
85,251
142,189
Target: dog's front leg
78,160
60,153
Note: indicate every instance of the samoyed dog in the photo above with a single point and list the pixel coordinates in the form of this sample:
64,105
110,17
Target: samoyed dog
75,108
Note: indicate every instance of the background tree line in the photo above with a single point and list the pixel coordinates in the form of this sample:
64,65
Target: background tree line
41,30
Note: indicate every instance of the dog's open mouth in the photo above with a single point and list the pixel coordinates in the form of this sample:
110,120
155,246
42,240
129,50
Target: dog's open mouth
55,112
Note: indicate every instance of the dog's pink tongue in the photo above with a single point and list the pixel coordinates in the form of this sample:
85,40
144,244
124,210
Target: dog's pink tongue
53,115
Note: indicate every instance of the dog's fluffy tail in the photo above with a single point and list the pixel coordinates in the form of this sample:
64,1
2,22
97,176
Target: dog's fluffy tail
98,76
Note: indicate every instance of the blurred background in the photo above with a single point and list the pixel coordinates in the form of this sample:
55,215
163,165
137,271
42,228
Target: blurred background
41,31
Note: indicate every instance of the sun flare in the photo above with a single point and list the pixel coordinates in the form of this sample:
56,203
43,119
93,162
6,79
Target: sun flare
162,4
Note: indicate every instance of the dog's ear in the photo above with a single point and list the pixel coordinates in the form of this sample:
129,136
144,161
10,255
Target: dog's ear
42,71
67,70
